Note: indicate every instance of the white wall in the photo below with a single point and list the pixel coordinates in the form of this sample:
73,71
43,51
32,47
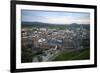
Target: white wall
5,37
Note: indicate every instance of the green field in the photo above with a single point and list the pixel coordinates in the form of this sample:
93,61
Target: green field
73,55
57,27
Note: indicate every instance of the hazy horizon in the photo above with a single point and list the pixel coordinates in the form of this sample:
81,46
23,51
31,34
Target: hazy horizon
55,17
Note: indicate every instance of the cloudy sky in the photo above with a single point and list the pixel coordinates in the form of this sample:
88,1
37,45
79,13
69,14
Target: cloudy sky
55,17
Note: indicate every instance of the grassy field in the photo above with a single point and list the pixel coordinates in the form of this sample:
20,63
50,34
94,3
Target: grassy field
57,27
49,27
74,55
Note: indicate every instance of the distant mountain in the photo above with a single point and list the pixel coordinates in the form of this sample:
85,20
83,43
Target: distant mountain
41,24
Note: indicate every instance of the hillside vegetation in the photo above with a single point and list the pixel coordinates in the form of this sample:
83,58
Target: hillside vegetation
73,55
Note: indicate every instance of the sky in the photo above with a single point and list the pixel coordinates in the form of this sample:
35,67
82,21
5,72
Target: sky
55,17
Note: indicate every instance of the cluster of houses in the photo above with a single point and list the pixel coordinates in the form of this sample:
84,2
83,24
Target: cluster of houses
48,42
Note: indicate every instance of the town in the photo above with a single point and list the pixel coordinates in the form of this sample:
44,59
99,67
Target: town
42,44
